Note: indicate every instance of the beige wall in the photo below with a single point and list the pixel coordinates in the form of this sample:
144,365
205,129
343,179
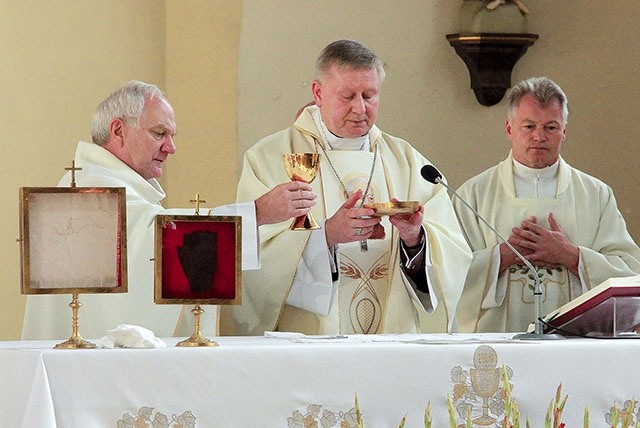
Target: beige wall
238,70
201,82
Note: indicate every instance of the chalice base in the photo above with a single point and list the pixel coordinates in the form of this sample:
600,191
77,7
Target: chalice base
75,343
305,222
197,340
484,420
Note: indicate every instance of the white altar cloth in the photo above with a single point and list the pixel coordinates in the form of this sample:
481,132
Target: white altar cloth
281,380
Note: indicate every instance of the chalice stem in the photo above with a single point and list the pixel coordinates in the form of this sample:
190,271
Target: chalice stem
485,419
485,407
304,222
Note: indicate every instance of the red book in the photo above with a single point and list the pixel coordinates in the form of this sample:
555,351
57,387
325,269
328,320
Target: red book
611,309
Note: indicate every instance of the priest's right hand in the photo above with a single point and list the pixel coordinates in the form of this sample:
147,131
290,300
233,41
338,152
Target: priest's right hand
350,224
285,201
507,256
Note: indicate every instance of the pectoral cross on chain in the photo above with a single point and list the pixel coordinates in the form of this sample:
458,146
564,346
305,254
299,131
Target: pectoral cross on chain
73,170
197,201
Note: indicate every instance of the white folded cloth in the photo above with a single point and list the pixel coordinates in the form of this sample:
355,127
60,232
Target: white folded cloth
130,336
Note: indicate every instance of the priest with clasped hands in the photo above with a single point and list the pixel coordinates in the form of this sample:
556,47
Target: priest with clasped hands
565,222
359,273
133,134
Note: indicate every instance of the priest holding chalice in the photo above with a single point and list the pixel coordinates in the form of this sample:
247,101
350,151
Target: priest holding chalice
386,254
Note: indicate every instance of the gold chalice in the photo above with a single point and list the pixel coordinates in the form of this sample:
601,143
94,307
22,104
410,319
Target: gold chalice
485,380
302,167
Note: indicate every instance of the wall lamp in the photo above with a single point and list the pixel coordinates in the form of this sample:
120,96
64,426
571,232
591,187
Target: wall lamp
490,42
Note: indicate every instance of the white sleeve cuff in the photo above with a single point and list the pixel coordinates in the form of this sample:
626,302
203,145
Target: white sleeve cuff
313,289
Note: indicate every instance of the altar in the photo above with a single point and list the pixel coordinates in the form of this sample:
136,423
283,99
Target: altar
297,381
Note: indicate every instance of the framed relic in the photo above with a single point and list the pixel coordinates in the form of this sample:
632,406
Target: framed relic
73,240
198,260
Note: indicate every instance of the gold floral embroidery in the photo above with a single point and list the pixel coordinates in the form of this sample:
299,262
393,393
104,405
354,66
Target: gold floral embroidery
547,276
146,418
510,417
352,271
365,306
479,381
317,417
629,414
481,386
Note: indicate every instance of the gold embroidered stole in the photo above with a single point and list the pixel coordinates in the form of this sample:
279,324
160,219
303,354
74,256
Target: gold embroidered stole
364,276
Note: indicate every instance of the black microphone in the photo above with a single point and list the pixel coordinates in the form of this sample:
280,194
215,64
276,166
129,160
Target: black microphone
432,175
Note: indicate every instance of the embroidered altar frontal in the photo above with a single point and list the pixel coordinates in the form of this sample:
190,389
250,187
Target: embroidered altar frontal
296,381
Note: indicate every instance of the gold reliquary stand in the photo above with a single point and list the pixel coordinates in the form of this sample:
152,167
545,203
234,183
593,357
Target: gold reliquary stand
61,225
197,339
198,262
75,341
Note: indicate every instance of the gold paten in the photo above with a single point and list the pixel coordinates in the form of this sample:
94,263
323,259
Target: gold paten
393,208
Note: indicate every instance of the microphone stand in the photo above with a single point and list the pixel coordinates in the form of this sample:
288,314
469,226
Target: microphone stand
537,290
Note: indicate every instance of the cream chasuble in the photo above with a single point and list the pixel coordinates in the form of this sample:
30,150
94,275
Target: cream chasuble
585,209
373,294
535,196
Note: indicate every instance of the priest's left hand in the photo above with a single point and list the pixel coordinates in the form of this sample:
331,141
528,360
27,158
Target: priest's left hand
409,225
351,224
549,247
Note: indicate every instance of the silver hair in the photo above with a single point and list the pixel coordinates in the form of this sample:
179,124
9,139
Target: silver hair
350,54
543,89
126,103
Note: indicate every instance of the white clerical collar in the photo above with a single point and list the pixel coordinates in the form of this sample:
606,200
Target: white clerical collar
334,142
525,172
535,182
